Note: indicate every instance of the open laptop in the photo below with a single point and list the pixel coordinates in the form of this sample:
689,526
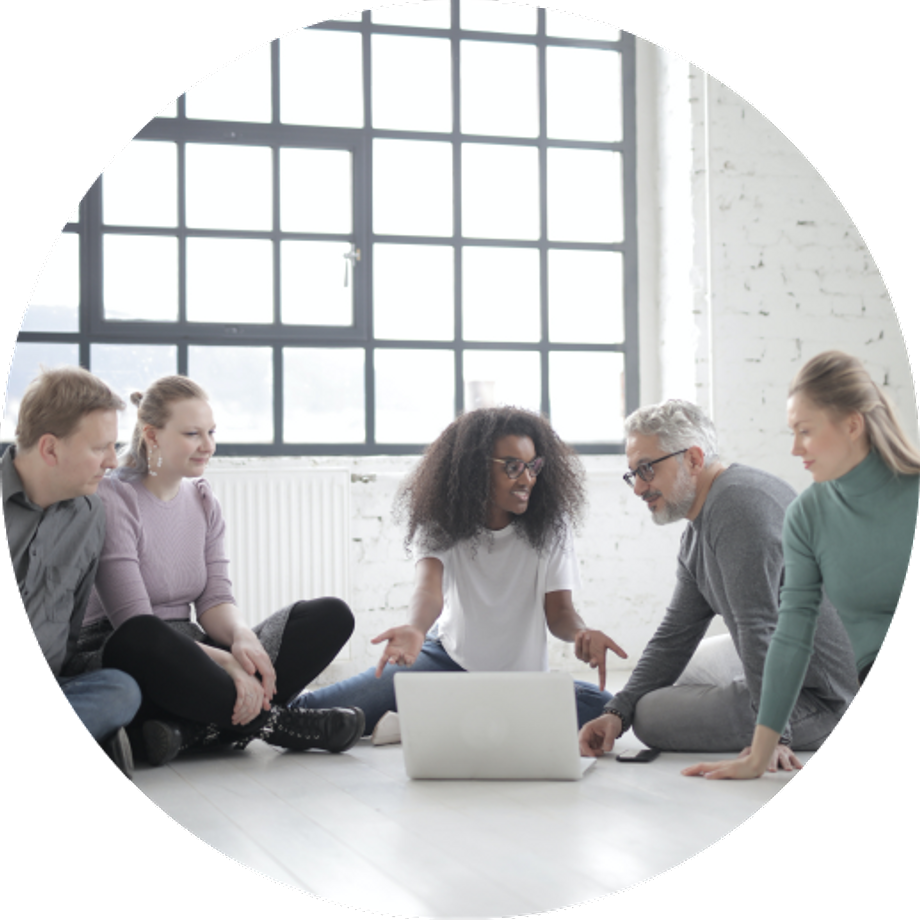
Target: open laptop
484,725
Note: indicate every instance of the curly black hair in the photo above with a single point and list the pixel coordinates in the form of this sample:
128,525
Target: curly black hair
446,498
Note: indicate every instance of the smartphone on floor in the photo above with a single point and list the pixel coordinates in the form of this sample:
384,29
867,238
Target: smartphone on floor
638,755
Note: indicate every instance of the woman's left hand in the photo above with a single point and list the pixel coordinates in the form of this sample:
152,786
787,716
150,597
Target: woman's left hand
253,659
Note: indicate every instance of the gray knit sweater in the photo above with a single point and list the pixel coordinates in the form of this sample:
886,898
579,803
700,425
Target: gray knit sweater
730,564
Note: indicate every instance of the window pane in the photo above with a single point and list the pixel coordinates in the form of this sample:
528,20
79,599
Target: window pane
498,89
171,111
585,195
227,187
413,188
401,99
139,188
140,277
564,25
585,296
55,302
414,394
501,294
28,359
432,14
323,395
229,281
313,288
128,367
322,78
240,91
587,395
583,95
501,378
489,16
316,190
500,192
413,292
238,382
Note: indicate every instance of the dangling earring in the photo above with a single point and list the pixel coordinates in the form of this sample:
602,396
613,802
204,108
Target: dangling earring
150,468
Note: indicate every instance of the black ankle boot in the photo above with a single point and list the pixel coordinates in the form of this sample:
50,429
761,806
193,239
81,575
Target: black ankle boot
333,730
164,739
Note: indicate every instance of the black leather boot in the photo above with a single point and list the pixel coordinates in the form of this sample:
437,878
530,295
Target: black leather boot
333,730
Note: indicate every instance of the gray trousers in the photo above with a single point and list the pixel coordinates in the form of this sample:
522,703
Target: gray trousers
709,709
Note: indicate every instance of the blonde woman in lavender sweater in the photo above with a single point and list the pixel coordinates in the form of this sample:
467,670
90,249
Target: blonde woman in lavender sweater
212,679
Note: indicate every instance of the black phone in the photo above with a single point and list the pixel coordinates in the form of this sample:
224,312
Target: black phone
638,755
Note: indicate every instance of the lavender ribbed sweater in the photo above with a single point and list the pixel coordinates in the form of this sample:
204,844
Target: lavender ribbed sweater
159,557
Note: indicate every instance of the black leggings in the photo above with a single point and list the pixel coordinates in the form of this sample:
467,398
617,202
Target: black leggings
178,679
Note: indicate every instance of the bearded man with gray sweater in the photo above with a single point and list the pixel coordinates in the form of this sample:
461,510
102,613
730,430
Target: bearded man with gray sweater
688,693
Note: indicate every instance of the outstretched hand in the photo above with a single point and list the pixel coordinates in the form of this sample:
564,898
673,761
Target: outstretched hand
591,646
746,765
403,643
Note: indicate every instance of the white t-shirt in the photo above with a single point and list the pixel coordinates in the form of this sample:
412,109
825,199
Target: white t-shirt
494,617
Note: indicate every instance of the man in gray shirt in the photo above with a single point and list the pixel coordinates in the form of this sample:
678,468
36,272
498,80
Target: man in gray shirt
730,564
55,525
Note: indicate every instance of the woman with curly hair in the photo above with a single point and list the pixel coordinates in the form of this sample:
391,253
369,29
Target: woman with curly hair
489,510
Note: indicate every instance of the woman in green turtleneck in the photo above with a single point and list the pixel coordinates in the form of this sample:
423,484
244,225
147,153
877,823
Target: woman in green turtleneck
851,533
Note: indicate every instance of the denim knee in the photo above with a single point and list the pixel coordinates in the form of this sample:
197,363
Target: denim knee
589,701
103,700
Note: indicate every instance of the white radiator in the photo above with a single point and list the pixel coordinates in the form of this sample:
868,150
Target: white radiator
288,535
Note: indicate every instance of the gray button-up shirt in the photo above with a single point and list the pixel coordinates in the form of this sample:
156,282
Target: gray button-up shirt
55,553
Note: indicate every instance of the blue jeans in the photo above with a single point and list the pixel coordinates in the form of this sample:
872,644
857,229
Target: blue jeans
375,695
105,700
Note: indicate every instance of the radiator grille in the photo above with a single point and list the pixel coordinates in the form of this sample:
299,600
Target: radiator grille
287,535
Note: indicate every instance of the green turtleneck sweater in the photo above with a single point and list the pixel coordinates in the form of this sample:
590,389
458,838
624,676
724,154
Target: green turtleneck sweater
853,536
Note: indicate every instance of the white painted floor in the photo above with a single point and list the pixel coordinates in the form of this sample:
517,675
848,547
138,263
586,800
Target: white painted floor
354,829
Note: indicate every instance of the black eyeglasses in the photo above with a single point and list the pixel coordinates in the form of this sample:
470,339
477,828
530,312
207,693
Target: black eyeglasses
645,470
514,467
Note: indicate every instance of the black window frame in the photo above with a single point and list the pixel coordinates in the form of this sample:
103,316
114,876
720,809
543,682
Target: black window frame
95,329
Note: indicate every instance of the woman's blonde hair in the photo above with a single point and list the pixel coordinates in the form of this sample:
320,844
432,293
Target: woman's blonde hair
838,383
154,407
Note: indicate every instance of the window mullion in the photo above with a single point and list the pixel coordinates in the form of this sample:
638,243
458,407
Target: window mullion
519,345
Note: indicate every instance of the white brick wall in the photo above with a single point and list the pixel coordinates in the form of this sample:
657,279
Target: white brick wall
791,276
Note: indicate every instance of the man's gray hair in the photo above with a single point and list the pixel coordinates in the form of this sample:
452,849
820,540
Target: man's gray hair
677,424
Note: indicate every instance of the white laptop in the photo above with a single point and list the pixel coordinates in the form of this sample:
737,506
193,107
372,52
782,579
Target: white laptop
476,725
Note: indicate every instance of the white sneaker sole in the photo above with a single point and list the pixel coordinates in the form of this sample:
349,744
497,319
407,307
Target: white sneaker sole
386,731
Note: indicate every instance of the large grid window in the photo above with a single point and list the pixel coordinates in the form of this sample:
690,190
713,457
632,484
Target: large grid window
356,232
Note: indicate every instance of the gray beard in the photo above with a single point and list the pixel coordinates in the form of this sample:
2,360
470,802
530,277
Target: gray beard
680,505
